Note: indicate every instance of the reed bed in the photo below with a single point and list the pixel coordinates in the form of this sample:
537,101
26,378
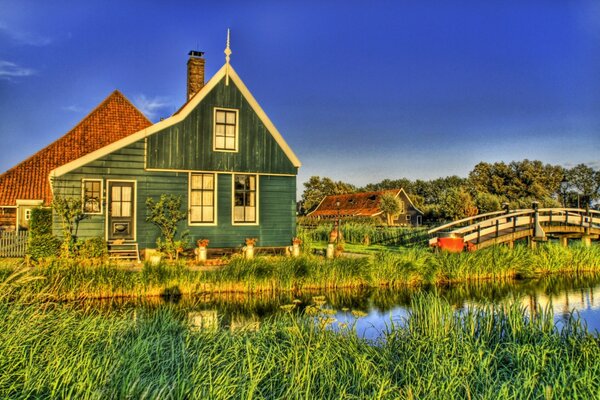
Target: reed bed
68,279
51,350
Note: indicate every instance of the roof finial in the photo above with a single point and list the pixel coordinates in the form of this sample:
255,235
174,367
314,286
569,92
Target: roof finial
227,57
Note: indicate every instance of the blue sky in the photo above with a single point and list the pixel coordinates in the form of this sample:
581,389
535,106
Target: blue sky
362,91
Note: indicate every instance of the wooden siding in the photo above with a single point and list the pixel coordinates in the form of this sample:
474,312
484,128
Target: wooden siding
8,217
188,145
276,201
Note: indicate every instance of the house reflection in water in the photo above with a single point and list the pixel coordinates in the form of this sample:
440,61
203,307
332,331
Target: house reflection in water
209,320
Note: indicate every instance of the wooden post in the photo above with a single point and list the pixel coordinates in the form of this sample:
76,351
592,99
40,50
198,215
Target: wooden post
564,241
586,240
510,244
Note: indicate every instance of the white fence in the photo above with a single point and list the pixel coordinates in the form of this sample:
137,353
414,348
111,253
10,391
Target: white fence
13,244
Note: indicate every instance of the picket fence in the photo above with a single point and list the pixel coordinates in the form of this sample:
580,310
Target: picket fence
13,244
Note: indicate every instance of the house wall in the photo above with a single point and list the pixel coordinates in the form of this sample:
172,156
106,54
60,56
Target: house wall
276,201
188,145
8,218
409,211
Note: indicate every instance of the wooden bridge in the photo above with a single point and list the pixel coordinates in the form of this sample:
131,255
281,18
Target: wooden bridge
533,224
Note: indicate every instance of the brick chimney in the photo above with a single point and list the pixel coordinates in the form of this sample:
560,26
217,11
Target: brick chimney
195,73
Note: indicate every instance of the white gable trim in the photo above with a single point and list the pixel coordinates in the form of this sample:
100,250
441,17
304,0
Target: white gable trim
183,113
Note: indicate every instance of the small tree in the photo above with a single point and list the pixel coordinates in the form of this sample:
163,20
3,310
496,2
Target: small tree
391,207
69,212
166,214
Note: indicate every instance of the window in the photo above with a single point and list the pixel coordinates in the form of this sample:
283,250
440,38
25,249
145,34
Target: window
408,217
226,130
27,214
244,199
202,198
92,196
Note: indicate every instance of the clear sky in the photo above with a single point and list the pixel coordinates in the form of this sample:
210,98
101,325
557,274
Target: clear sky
361,90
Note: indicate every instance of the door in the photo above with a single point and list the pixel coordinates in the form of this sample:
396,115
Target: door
121,210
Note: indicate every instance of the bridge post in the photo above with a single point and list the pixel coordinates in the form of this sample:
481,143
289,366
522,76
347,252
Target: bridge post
538,232
564,241
586,240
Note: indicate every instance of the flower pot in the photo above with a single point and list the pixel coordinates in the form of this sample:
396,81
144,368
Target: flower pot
295,250
201,254
330,250
249,252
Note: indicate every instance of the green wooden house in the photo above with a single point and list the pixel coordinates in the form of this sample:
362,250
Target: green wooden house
220,152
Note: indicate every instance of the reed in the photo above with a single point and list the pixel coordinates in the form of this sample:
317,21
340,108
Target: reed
50,350
68,279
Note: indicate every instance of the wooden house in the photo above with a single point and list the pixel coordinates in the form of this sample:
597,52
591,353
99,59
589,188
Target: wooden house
220,152
366,204
26,185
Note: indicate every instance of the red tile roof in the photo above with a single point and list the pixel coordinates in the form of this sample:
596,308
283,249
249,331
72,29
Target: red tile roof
114,119
354,204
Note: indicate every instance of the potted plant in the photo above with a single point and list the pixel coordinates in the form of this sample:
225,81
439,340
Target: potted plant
201,251
296,242
249,249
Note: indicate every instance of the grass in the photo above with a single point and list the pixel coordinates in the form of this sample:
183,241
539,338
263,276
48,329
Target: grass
68,279
57,350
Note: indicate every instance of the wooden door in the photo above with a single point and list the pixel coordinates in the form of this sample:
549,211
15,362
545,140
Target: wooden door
121,210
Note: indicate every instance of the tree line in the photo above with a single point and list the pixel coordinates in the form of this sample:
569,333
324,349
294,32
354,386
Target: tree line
487,187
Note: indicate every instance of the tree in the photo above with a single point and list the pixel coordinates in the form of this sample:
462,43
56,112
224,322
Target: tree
586,182
166,214
457,203
317,188
391,207
486,202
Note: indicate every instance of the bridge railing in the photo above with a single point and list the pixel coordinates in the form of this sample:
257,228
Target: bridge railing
492,225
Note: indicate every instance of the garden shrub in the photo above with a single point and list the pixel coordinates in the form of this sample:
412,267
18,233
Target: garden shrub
40,222
41,246
93,248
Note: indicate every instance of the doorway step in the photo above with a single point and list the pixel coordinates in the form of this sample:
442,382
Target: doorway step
123,250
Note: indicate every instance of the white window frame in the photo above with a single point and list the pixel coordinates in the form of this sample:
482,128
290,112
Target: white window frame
237,129
215,199
27,214
101,200
257,200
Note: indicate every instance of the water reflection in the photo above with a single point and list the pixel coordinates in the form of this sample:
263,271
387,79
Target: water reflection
371,311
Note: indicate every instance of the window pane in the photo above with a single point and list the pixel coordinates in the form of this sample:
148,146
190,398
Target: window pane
220,116
116,193
196,181
220,142
230,143
126,209
230,130
220,130
208,181
231,118
196,199
207,198
250,214
252,182
115,209
196,215
238,215
207,214
250,199
126,193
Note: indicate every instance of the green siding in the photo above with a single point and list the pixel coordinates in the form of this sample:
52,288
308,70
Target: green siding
276,201
188,145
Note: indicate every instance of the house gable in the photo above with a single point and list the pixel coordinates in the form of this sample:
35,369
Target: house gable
190,143
180,116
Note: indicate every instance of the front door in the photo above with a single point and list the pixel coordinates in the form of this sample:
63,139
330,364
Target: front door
121,210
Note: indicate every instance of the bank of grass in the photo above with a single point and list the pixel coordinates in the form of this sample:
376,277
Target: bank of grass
53,350
68,279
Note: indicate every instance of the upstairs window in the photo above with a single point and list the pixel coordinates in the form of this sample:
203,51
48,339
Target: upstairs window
202,198
92,196
244,199
225,130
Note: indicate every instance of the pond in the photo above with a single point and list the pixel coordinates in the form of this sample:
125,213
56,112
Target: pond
371,311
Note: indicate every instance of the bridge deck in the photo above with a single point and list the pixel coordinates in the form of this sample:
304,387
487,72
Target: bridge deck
501,227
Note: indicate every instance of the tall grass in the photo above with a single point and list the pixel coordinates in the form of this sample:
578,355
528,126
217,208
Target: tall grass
50,350
63,280
357,233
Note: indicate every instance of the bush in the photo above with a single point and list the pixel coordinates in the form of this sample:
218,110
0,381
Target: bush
40,222
93,248
41,246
